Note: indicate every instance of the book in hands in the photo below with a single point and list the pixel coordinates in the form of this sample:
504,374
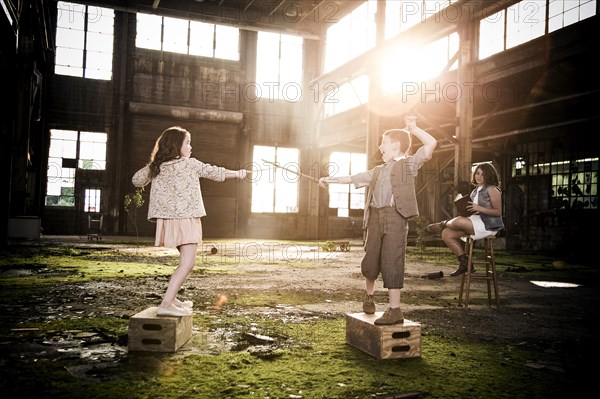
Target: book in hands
461,203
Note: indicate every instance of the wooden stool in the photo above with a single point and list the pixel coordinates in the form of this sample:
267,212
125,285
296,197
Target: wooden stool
490,271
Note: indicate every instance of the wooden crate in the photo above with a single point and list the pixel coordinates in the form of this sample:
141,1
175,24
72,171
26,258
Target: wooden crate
152,333
383,342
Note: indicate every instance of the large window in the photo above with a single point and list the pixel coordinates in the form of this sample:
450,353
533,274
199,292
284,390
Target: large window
344,197
400,15
71,150
275,189
563,13
187,37
574,183
560,182
526,20
279,67
346,96
351,36
406,67
84,41
354,34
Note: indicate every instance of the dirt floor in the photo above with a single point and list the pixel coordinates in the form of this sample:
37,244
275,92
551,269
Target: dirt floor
527,311
554,318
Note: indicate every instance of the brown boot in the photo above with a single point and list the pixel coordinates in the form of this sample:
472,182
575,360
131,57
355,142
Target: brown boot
390,316
368,304
463,263
436,228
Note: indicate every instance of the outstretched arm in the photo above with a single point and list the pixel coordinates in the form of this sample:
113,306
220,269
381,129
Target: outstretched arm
235,174
327,180
429,142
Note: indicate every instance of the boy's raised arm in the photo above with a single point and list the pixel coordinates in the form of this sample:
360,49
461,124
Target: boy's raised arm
429,142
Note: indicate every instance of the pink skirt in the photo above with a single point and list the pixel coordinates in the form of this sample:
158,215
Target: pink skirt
176,232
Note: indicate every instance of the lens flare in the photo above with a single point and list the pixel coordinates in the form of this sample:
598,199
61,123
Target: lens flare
221,300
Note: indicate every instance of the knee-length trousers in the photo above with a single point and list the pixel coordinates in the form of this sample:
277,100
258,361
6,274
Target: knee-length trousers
385,247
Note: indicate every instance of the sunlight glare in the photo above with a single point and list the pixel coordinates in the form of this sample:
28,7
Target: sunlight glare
554,284
411,65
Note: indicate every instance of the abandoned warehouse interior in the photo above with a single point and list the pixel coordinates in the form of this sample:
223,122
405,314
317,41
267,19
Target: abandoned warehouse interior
310,85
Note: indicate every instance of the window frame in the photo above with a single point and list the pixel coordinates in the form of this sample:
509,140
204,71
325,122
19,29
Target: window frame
556,180
191,49
348,190
69,164
274,85
265,169
87,49
526,9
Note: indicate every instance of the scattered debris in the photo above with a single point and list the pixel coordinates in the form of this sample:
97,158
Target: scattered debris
433,275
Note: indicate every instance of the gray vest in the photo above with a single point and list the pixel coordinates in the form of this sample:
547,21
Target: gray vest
403,190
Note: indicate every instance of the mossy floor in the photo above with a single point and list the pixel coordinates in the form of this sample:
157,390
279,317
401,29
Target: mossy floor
274,326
